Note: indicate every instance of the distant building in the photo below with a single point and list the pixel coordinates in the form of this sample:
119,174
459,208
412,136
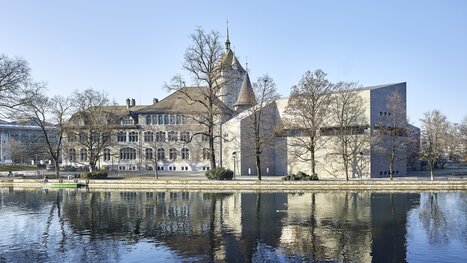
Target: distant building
21,143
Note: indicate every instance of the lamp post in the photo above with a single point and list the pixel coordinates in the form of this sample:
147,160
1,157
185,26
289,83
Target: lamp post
234,154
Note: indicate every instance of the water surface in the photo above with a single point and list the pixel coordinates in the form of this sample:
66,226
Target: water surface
80,226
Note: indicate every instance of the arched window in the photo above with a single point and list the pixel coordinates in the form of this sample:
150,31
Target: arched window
133,136
185,154
206,155
149,136
160,136
106,155
149,153
121,136
83,155
127,120
127,153
160,154
72,155
172,154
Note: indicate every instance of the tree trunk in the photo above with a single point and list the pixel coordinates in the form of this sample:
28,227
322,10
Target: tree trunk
57,169
313,161
258,165
212,154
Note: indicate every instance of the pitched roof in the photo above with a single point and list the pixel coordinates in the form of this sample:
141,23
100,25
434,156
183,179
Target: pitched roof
229,61
186,100
246,96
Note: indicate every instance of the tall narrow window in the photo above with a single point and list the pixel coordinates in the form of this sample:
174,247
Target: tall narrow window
149,154
160,136
83,154
185,154
72,155
148,119
121,136
160,154
166,119
149,136
172,154
133,136
160,119
206,155
106,155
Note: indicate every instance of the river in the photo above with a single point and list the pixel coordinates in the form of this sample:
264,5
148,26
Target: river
163,226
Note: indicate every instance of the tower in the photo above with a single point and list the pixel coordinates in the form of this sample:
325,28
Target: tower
232,74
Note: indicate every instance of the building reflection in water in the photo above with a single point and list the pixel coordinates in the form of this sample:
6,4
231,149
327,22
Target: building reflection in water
236,226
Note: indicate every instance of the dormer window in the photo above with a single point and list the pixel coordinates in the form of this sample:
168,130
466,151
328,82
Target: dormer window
127,120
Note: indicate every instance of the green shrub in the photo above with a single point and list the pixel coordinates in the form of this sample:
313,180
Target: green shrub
300,176
94,175
219,173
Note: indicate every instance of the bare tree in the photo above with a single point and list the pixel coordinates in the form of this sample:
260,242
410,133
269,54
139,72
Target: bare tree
308,104
261,119
50,115
349,133
453,144
16,85
203,64
391,137
17,150
434,127
92,123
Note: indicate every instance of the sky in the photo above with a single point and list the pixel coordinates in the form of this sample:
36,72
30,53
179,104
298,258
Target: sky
129,49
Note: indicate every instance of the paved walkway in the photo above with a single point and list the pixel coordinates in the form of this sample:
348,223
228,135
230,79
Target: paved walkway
446,174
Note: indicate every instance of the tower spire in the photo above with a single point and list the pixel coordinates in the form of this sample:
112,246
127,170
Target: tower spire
227,41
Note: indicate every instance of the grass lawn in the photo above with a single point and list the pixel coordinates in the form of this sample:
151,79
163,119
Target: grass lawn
6,168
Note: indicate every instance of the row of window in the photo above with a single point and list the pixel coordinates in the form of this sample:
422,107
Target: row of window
165,119
133,136
129,153
160,136
94,137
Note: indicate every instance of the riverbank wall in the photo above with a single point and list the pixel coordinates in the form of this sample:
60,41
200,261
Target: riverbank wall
249,184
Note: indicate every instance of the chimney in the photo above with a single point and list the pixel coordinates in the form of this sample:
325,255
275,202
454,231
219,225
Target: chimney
128,103
133,102
154,101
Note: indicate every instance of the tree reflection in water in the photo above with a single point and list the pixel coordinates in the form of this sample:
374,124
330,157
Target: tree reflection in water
216,227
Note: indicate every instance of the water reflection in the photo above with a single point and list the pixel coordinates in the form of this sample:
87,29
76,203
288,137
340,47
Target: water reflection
234,227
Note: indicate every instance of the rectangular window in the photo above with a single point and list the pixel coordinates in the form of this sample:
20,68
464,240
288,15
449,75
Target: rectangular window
166,119
160,119
173,136
184,136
